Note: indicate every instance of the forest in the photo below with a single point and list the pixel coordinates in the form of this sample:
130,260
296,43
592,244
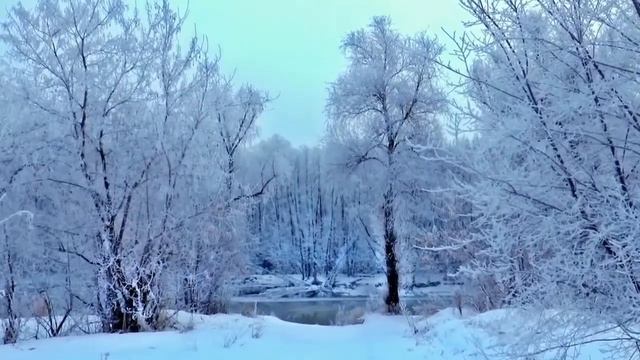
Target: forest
134,177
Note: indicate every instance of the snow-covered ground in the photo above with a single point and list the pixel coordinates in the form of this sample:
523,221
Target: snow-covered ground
445,335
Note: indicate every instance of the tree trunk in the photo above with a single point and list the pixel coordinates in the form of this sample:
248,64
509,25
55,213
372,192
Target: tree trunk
12,321
120,310
120,299
393,298
229,175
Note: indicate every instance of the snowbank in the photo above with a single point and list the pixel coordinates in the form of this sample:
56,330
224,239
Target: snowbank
445,335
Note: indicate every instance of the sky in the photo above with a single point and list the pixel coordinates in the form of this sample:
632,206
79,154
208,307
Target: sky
291,48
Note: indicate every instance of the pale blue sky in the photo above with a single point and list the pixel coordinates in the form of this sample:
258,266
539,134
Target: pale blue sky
291,47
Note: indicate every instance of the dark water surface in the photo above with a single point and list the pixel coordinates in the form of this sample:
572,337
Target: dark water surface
330,311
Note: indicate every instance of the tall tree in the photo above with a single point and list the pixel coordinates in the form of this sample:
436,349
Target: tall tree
124,105
387,95
554,86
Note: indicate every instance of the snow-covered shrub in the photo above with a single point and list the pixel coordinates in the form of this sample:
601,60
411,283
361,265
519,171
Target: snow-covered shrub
230,340
257,329
11,329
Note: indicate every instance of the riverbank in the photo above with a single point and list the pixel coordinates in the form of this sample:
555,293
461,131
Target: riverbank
291,286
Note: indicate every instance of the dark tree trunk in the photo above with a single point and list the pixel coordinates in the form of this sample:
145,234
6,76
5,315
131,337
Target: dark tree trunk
393,298
231,168
11,326
121,302
123,296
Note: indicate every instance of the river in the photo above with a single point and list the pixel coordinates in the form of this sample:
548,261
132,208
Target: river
331,311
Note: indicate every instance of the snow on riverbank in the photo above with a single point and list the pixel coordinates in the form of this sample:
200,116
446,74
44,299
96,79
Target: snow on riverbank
446,336
291,286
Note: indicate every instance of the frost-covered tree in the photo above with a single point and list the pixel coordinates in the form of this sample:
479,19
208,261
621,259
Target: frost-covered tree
128,149
237,112
554,87
225,249
387,98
